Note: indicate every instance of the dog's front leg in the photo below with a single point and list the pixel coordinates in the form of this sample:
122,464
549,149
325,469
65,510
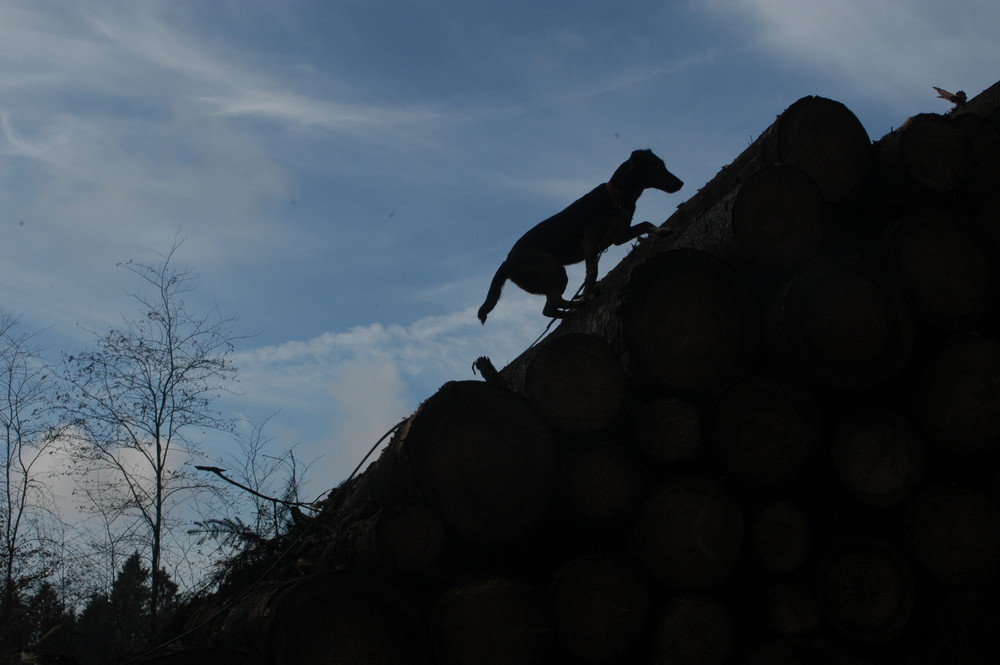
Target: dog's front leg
591,255
633,232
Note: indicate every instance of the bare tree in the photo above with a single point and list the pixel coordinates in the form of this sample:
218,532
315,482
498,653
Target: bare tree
143,393
26,504
26,391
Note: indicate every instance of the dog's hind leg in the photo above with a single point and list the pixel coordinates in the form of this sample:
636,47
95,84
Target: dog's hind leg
541,274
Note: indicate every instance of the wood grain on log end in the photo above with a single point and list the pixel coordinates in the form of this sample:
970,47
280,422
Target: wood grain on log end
576,382
927,154
842,322
826,140
948,268
599,606
878,456
496,621
780,536
954,532
689,322
203,656
598,486
866,589
667,429
346,618
778,218
483,459
694,630
688,533
956,397
765,430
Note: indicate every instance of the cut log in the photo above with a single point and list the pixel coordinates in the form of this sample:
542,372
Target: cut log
598,487
956,397
780,536
576,382
878,456
341,618
764,430
599,607
690,323
866,589
954,532
840,322
479,456
803,651
406,538
818,136
203,656
688,533
774,221
667,429
694,630
948,269
792,609
497,621
926,155
984,139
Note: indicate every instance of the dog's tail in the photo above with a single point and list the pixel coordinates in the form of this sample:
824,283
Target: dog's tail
496,286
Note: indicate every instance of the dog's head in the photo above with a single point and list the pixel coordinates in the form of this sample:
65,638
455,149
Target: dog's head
648,170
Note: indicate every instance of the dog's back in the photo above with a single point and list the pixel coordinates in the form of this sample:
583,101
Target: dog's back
562,235
580,232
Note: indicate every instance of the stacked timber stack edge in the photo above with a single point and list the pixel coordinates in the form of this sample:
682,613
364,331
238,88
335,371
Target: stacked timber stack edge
774,438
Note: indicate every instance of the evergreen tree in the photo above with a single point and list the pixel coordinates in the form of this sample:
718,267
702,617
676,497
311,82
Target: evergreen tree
117,624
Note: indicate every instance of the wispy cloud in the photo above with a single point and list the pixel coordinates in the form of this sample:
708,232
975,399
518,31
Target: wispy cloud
369,377
890,48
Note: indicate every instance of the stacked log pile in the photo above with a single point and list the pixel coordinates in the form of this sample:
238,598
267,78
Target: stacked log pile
774,438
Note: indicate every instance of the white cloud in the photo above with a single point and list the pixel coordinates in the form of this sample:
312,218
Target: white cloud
366,379
890,48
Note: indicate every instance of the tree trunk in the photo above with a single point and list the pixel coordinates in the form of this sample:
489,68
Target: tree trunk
765,430
599,606
956,399
598,487
984,139
688,533
866,589
694,630
774,221
479,456
689,322
840,322
780,536
205,656
948,269
576,382
667,429
409,537
336,618
878,457
497,621
954,532
927,156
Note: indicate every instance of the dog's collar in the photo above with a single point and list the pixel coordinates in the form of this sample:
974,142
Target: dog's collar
611,192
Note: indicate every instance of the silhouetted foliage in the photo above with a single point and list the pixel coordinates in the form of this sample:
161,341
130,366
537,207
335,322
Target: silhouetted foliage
118,624
138,397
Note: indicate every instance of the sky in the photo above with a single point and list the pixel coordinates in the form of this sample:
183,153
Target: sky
345,176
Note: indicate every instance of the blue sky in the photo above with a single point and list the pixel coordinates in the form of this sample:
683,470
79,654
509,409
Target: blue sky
347,175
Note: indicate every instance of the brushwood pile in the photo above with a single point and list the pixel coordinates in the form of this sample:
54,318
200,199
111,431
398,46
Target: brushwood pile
774,437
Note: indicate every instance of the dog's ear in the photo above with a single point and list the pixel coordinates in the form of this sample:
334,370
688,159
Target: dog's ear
638,156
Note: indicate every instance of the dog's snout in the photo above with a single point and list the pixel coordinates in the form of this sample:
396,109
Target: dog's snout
671,183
